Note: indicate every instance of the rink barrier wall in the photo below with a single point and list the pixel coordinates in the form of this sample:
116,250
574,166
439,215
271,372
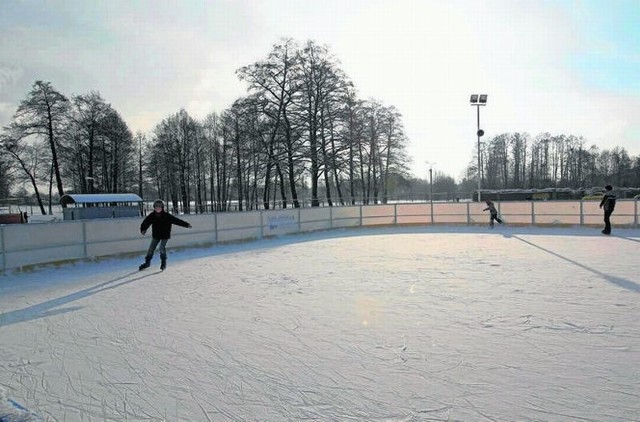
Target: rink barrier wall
25,245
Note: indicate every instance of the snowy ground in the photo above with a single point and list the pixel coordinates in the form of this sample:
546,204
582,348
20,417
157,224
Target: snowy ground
398,324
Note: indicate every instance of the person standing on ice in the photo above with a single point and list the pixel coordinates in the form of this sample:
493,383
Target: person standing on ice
608,203
494,213
160,222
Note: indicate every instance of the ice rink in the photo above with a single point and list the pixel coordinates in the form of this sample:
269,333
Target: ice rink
387,324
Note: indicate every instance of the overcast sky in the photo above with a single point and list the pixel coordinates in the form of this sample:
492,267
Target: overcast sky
564,67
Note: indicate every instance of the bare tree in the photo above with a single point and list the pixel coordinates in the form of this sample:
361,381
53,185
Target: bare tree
218,160
117,153
87,114
44,113
318,81
27,156
393,160
140,139
353,136
6,173
274,85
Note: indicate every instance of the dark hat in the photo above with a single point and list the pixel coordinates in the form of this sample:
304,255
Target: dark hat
608,187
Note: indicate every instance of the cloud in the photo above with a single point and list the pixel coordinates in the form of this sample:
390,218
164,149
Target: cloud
151,58
9,77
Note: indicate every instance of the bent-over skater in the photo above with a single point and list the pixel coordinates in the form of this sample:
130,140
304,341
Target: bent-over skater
494,213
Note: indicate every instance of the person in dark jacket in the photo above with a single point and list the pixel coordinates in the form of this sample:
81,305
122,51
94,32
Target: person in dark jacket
160,222
608,203
494,213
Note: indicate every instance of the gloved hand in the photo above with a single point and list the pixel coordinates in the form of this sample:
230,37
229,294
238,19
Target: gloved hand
143,232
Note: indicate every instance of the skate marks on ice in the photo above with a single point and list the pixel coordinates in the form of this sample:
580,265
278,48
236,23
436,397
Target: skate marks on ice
408,327
11,411
55,306
618,281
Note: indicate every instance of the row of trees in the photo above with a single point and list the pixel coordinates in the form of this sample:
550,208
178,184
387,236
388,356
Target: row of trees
299,134
300,130
518,161
54,141
301,126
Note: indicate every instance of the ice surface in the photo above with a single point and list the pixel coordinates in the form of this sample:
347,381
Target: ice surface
399,324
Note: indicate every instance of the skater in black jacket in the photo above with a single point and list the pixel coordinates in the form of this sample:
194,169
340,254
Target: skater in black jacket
160,222
608,203
494,213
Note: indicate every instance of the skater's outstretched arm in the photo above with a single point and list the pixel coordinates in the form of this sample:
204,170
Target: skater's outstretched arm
175,220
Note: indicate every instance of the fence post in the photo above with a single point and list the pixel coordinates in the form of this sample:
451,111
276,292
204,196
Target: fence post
581,213
215,227
261,224
468,213
533,213
299,220
360,207
4,255
84,238
431,211
331,217
395,214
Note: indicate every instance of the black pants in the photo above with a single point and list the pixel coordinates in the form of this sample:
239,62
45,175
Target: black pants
496,218
607,222
154,244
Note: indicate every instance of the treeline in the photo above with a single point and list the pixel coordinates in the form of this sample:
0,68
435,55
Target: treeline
518,161
301,128
300,136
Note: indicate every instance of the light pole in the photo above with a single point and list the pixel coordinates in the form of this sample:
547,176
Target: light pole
431,188
479,100
431,184
431,181
430,164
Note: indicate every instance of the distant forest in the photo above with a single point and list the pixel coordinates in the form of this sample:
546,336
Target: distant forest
518,161
300,136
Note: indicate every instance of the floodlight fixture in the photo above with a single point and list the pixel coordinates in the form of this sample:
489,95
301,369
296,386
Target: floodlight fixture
478,99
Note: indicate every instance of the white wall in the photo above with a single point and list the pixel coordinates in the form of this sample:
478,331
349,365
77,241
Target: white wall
31,244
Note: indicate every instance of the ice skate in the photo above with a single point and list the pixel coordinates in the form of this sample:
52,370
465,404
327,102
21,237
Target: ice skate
145,264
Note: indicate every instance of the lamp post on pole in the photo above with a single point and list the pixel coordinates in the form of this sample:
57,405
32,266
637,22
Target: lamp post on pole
477,101
430,164
431,187
431,181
